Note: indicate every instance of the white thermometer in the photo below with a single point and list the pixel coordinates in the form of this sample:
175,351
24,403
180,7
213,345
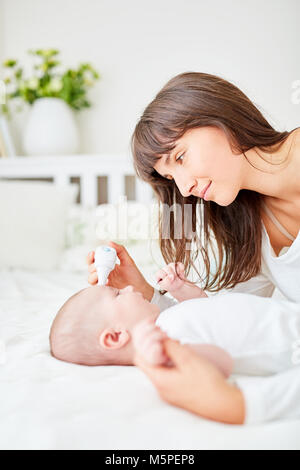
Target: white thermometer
105,260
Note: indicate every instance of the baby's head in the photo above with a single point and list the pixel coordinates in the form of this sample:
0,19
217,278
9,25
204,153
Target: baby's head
94,326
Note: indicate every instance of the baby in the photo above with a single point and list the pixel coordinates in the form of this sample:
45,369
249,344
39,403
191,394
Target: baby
102,325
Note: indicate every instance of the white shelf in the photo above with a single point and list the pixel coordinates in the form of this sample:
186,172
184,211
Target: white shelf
86,167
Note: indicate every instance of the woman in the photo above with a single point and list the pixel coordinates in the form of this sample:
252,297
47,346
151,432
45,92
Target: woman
202,142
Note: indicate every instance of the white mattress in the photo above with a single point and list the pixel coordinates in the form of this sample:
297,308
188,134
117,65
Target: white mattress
48,404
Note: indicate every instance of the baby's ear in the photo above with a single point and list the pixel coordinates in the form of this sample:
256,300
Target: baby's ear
113,339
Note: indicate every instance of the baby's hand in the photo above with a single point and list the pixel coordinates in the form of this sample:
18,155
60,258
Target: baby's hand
168,279
148,339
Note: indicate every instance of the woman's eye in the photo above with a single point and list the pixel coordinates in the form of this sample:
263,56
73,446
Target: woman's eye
178,159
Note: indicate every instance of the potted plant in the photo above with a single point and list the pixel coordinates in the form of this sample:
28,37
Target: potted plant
52,95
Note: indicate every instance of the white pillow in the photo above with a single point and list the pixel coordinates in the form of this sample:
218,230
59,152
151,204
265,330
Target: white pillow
33,223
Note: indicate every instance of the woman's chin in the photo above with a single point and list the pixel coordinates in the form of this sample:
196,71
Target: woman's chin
223,201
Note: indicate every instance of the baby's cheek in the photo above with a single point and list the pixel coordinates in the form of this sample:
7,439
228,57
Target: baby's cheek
137,337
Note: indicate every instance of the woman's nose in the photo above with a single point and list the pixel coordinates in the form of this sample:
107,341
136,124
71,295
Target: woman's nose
185,186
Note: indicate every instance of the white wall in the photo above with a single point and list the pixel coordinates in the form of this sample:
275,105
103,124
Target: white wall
138,45
1,31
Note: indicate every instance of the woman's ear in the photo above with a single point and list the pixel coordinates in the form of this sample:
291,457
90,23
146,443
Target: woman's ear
113,339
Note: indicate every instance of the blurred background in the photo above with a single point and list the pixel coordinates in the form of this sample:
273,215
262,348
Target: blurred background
137,46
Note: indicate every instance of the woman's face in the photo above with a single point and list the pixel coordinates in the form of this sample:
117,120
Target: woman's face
204,155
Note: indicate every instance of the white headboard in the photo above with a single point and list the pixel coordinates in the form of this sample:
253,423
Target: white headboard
86,167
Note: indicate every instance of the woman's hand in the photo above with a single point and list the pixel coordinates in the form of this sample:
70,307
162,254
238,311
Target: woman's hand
195,384
124,274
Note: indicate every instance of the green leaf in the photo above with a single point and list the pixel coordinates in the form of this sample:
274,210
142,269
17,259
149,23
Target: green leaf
9,63
75,82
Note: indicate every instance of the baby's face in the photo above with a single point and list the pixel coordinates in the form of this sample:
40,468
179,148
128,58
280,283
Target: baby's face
95,325
124,307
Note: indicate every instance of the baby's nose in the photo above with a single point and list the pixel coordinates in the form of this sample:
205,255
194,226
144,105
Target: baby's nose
128,289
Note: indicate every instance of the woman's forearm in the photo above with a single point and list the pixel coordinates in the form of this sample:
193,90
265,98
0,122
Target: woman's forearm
232,408
147,290
225,405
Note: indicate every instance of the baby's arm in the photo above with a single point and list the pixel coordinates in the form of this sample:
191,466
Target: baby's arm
178,286
148,341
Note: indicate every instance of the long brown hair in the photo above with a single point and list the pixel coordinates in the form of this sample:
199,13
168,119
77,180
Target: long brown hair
187,101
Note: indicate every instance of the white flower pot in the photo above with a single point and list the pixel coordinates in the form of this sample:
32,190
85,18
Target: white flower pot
50,129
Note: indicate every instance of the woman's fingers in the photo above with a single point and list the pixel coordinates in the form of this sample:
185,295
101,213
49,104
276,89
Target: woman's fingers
93,278
180,354
90,257
122,253
92,268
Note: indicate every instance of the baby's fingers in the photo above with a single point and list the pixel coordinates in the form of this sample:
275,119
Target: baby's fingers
156,355
143,329
161,274
180,266
180,269
156,336
177,267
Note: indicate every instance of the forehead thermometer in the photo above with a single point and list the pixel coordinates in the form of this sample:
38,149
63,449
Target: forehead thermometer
105,260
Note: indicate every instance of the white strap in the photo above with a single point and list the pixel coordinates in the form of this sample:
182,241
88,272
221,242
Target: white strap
277,223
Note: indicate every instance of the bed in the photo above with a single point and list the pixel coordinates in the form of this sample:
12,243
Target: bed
49,404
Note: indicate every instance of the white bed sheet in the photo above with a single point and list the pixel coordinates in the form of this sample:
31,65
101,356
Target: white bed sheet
48,404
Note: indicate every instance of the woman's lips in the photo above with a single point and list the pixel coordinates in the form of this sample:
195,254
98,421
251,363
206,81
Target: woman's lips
206,192
202,194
